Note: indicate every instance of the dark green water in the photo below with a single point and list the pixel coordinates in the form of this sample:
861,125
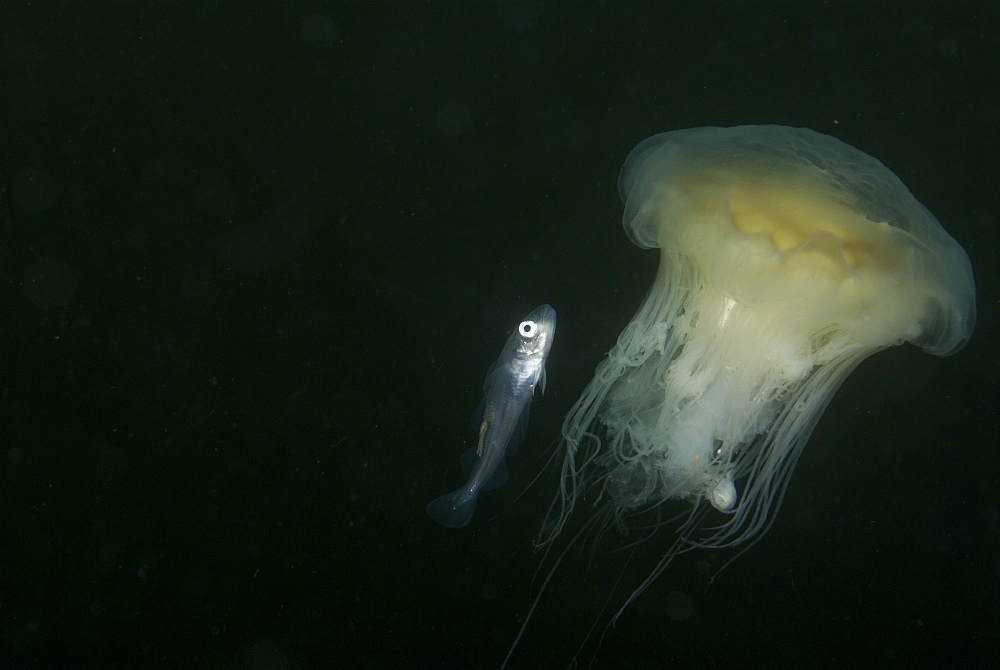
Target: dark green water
255,263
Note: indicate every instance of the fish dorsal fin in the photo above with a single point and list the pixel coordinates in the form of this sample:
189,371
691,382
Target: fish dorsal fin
493,376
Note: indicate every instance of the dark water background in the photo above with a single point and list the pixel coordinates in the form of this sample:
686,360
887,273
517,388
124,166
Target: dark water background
256,259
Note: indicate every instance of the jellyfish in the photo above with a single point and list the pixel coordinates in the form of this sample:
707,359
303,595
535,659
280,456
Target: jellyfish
786,258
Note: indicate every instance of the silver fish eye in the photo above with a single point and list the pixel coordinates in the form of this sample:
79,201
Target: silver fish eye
528,329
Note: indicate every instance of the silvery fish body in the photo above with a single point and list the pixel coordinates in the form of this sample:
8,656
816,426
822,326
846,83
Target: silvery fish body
507,392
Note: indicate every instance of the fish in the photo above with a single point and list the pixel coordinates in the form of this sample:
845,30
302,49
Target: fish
507,392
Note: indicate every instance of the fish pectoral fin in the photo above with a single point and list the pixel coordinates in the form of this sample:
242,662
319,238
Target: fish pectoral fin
483,427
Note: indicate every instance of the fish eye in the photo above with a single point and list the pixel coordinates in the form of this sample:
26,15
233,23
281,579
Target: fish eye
528,329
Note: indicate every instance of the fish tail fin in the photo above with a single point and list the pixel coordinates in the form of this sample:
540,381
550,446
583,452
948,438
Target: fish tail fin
453,510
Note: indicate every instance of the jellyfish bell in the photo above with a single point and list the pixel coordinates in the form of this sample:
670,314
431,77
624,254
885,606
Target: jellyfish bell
786,258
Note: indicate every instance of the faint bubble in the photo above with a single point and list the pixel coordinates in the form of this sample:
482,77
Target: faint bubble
319,32
678,606
33,190
309,403
19,633
106,558
266,654
217,195
948,47
141,340
257,248
454,119
110,465
137,236
48,283
457,584
822,38
351,410
488,591
522,18
22,48
579,134
380,149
